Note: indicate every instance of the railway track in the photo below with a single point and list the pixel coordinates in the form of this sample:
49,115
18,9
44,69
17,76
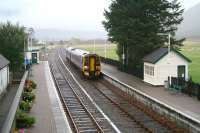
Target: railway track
114,113
135,119
84,116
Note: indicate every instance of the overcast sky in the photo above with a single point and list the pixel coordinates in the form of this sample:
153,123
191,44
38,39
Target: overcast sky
85,15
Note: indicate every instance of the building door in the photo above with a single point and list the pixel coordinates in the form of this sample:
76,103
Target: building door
181,72
34,58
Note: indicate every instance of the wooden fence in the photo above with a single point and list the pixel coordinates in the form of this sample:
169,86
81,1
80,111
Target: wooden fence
188,87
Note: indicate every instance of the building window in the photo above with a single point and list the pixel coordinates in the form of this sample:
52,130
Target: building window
149,70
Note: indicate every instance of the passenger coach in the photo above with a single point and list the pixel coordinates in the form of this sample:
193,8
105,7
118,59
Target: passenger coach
88,63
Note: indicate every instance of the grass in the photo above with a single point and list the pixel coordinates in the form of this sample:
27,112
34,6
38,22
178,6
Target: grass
100,49
190,50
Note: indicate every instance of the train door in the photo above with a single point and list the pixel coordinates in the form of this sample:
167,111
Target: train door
92,63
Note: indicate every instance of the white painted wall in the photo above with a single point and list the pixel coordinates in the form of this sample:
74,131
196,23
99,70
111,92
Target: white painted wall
4,79
165,67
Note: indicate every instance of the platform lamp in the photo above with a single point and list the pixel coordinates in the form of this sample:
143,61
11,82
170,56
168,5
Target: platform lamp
169,48
123,57
26,38
105,49
169,39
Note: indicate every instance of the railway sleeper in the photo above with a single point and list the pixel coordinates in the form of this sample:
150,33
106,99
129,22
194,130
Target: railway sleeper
88,131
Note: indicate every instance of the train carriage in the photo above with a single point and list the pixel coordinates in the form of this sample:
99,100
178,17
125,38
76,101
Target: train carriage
88,63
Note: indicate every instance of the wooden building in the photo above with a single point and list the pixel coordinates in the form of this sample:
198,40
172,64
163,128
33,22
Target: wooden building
162,63
4,74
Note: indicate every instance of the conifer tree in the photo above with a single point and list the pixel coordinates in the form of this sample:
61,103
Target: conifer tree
134,25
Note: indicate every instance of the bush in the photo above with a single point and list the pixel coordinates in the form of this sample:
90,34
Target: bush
28,96
28,89
25,106
23,120
31,84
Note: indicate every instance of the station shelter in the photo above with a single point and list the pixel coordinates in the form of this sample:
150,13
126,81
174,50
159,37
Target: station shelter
162,64
32,57
4,74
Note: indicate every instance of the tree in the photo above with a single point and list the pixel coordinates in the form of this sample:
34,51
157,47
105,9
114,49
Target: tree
12,39
134,25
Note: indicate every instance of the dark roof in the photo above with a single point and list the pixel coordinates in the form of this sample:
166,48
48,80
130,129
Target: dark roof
3,61
156,55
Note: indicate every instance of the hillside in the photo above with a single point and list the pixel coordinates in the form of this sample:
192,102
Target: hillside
190,27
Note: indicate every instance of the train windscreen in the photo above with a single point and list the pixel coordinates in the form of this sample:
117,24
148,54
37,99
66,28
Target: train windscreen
97,60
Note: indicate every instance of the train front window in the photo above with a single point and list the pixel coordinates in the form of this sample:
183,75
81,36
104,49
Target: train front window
97,61
86,61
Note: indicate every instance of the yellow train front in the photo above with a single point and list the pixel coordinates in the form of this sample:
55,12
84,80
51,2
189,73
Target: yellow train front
88,63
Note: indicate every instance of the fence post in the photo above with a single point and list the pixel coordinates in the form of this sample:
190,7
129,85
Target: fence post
198,91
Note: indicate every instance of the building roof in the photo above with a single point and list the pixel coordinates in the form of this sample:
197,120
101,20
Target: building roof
159,53
3,61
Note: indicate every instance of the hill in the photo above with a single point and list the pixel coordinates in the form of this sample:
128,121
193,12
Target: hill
190,27
62,34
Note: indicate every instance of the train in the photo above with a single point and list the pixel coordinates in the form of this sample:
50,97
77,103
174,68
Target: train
87,62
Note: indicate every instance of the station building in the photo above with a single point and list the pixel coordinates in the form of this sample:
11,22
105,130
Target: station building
162,64
4,74
32,56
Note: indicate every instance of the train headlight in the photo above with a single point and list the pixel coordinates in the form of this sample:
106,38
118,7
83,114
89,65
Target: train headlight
98,68
86,68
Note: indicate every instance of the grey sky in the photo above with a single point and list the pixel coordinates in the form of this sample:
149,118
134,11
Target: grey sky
85,15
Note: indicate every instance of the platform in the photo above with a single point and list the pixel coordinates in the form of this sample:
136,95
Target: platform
179,101
50,117
6,103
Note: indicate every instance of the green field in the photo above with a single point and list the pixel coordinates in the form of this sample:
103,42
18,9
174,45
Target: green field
190,50
100,49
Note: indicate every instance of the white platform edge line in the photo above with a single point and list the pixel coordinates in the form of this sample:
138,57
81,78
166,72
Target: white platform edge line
153,99
49,77
99,109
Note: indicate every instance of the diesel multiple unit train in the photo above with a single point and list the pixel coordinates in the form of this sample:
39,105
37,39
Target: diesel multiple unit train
88,63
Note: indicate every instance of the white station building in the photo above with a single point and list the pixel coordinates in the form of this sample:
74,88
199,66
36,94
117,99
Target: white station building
161,64
4,74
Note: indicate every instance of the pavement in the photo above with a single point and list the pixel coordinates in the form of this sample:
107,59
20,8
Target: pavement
179,101
6,102
47,109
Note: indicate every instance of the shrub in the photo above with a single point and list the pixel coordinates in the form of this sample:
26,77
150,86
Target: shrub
28,96
33,85
28,89
30,83
23,120
25,106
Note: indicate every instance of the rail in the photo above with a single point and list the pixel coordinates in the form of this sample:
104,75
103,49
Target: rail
76,98
191,123
93,102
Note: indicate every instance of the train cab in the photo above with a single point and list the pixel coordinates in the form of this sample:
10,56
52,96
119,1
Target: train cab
87,62
91,65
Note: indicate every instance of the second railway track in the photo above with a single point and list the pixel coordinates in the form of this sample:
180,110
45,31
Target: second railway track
85,118
126,117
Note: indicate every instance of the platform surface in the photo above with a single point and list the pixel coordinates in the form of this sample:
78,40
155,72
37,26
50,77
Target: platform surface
6,102
179,101
47,108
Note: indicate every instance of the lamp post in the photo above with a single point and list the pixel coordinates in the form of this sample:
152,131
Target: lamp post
169,39
94,46
105,49
123,57
169,47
